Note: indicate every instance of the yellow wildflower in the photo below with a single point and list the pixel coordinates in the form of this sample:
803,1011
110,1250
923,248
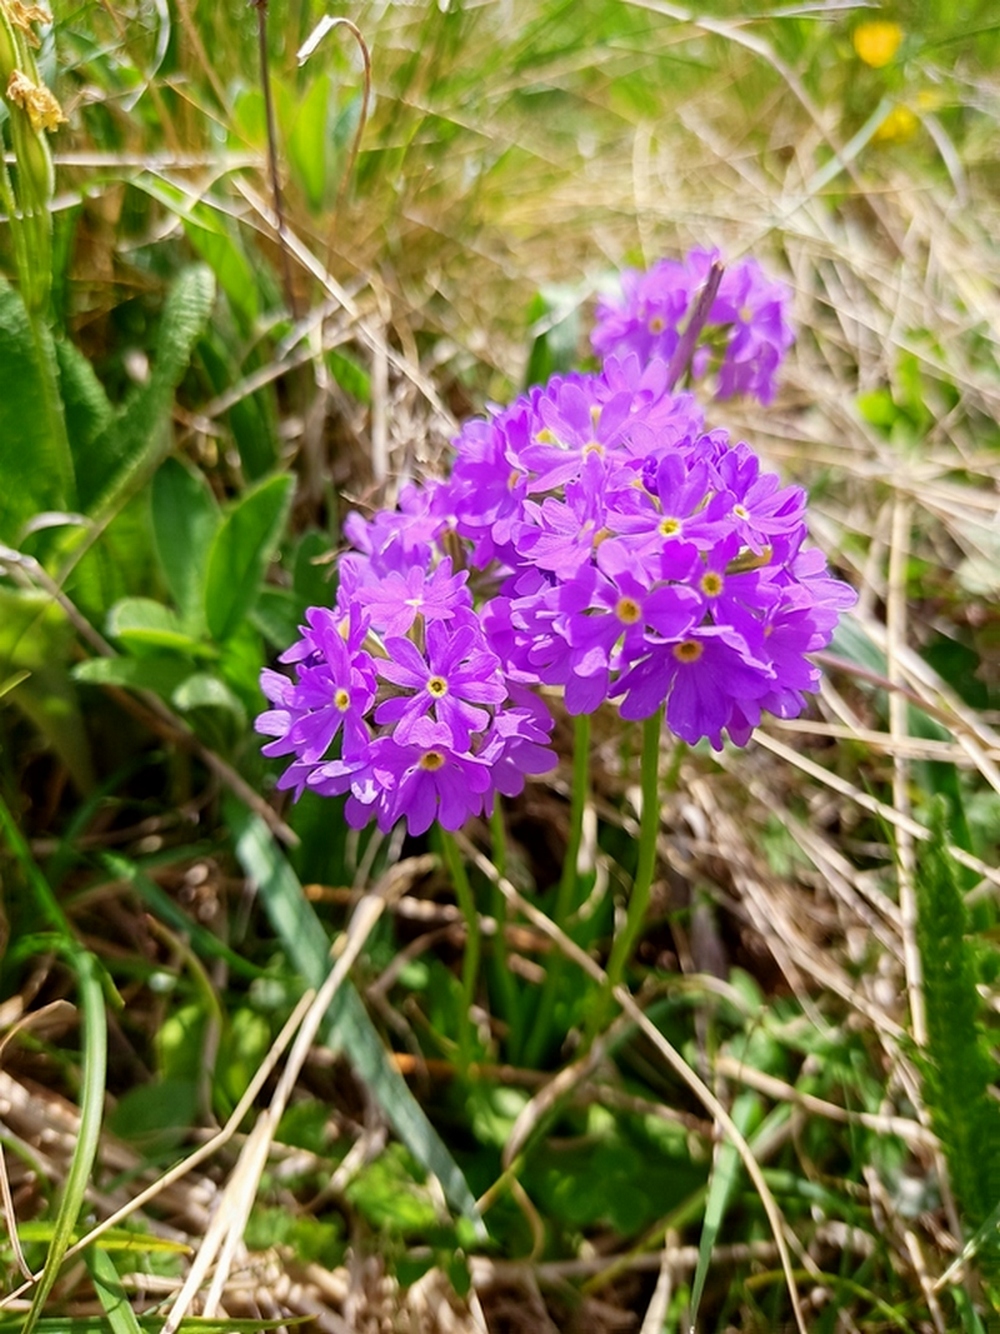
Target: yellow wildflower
43,110
23,16
877,43
898,125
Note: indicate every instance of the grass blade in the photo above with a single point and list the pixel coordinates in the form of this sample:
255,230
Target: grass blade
111,1294
349,1028
95,1042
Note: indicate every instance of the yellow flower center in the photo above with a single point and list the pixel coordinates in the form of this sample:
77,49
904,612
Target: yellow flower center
670,527
438,687
657,324
628,611
711,583
342,700
432,760
689,651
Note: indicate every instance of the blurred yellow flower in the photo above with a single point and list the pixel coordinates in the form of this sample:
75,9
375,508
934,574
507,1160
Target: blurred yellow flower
898,125
877,43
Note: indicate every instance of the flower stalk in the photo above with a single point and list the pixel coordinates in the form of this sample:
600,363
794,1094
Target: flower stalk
638,903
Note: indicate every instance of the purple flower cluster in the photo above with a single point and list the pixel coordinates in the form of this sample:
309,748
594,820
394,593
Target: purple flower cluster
593,537
402,671
749,317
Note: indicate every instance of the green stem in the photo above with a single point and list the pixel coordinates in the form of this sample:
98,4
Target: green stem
504,984
540,1035
638,904
470,961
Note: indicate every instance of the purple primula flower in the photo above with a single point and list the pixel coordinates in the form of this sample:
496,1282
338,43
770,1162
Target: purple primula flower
428,779
450,681
394,602
518,744
396,540
750,309
757,309
699,677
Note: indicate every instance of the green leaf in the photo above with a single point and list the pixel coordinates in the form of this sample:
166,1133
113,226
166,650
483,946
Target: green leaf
555,330
958,1067
350,375
240,551
139,623
204,691
349,1027
725,1174
277,616
307,147
160,672
34,463
93,1066
253,417
36,638
185,521
203,941
214,238
85,404
311,570
110,1293
133,445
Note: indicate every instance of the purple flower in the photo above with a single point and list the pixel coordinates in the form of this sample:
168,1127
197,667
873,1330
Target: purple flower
427,779
450,681
749,313
756,308
394,602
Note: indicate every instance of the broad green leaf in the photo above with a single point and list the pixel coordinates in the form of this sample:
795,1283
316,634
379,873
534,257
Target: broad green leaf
311,570
277,616
222,253
161,673
185,520
201,690
35,464
134,444
349,1027
139,623
350,375
240,551
555,329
